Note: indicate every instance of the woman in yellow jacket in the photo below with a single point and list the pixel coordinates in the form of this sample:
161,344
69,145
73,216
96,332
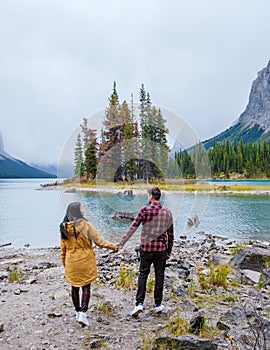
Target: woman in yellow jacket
78,256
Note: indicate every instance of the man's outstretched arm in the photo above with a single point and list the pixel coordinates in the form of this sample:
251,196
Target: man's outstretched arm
132,228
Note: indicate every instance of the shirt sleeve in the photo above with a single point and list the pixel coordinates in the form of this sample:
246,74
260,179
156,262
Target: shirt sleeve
132,228
96,237
63,251
170,233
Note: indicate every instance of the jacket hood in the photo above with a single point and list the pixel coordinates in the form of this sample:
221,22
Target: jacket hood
78,225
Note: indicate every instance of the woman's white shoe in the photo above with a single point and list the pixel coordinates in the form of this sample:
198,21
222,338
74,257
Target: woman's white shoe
83,319
77,315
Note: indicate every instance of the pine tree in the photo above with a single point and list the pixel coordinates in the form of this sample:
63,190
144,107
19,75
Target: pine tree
141,156
142,107
111,120
89,135
78,158
160,139
115,92
91,161
146,127
110,137
129,146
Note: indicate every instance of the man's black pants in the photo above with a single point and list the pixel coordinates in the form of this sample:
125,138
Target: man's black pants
158,259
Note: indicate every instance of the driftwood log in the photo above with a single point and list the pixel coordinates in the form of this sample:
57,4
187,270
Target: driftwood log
4,245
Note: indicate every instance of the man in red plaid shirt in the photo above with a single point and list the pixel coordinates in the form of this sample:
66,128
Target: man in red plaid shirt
156,246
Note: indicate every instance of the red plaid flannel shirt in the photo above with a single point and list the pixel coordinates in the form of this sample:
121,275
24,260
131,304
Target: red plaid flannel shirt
157,228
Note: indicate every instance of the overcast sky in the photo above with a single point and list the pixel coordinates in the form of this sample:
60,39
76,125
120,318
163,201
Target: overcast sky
59,59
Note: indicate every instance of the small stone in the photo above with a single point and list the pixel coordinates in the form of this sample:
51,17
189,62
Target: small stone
223,326
94,344
54,314
251,276
60,295
31,280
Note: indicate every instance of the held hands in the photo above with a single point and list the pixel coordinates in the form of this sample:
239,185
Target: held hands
168,256
117,248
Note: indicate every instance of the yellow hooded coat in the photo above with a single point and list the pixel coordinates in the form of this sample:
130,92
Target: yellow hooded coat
77,253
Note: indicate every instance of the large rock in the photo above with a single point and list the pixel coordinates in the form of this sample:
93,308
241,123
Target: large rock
262,325
236,315
187,342
61,294
251,258
123,216
251,276
257,110
264,277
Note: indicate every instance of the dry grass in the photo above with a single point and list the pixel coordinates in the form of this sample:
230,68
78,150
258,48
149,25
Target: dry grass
14,275
126,277
168,185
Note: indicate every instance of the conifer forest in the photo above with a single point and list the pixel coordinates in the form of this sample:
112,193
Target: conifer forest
132,145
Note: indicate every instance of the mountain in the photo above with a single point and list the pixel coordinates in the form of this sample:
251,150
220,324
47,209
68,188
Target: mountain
48,168
254,123
14,168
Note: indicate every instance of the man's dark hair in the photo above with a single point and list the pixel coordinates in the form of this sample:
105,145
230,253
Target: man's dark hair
155,193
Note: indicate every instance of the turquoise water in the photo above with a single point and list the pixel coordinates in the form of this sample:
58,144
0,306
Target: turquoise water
242,182
29,216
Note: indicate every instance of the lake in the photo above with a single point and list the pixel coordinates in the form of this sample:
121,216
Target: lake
31,216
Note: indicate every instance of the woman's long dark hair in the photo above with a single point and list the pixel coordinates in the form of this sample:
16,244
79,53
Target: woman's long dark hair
73,213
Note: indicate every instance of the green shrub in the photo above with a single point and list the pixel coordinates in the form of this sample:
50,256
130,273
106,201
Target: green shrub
234,250
14,275
203,279
126,277
105,307
178,326
218,275
266,262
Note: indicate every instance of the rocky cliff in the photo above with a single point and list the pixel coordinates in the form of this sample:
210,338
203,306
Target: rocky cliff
258,108
254,123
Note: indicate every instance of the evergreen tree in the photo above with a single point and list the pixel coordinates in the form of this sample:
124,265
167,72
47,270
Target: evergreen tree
78,157
111,135
142,107
185,164
160,138
91,161
154,145
174,171
115,92
89,135
146,126
200,160
129,149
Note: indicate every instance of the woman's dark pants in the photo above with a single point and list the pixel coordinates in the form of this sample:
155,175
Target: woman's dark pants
75,294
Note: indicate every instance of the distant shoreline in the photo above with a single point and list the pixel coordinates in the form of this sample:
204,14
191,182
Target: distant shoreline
199,189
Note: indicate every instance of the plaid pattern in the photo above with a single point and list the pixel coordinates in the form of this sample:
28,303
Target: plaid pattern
75,295
157,228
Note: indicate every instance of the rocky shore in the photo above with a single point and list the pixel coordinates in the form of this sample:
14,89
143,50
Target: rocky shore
201,312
